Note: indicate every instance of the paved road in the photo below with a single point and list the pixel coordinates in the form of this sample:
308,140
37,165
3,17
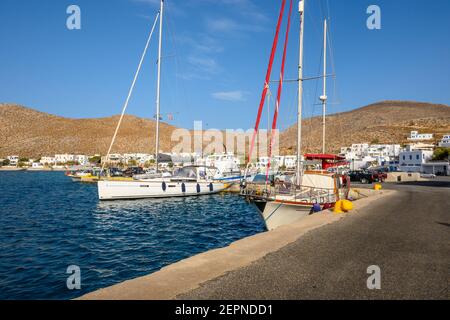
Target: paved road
408,238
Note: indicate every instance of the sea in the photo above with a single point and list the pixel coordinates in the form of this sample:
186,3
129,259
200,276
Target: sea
51,226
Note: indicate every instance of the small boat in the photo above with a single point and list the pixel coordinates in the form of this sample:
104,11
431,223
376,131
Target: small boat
186,181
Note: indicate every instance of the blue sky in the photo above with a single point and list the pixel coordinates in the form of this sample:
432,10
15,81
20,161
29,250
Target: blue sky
215,57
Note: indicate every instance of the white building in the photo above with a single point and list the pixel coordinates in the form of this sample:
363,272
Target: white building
13,160
64,158
445,142
82,159
422,136
37,165
290,162
363,155
113,158
47,161
441,168
140,158
359,149
413,159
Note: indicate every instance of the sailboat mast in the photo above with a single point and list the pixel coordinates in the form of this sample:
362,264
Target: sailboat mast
323,98
301,10
158,86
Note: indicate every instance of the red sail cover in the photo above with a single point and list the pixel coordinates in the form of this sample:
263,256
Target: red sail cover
266,83
280,87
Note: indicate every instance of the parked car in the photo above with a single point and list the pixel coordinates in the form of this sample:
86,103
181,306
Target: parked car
364,176
428,175
381,175
131,171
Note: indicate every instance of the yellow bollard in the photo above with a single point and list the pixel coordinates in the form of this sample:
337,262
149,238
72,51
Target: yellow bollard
338,207
347,205
377,186
342,206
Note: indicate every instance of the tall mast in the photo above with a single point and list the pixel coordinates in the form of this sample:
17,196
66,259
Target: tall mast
301,10
323,97
158,86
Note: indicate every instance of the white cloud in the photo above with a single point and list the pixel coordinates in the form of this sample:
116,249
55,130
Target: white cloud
222,25
226,25
205,64
233,96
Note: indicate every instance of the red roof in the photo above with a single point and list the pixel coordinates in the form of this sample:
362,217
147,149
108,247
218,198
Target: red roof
322,156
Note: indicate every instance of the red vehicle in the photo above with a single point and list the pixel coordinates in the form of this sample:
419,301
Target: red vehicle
380,174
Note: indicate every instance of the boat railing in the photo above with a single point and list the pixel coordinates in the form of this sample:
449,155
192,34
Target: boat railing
290,191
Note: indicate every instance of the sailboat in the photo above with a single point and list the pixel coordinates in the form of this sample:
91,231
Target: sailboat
187,181
311,191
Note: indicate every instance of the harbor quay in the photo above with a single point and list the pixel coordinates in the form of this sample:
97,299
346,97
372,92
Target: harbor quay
399,233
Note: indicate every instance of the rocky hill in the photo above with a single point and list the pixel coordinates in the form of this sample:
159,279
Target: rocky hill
31,133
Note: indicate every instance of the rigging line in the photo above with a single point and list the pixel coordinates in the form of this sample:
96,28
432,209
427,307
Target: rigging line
178,64
266,83
336,97
314,98
330,45
131,90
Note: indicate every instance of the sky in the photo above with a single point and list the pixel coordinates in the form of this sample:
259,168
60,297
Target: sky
215,55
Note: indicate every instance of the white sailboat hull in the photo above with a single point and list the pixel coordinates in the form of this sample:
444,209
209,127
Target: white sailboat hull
114,190
277,214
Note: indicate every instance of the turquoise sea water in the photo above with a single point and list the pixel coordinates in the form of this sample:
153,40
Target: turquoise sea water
48,222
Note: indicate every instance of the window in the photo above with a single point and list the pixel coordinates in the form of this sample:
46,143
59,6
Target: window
404,157
410,157
417,157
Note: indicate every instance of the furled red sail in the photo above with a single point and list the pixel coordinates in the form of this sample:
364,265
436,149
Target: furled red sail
280,87
267,80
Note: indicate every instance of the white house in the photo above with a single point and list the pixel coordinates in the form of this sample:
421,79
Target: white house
64,158
437,167
445,142
48,160
13,160
359,149
37,165
363,155
113,158
412,160
290,162
81,159
422,136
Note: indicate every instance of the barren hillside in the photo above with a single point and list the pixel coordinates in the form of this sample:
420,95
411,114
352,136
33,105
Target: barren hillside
28,132
31,133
